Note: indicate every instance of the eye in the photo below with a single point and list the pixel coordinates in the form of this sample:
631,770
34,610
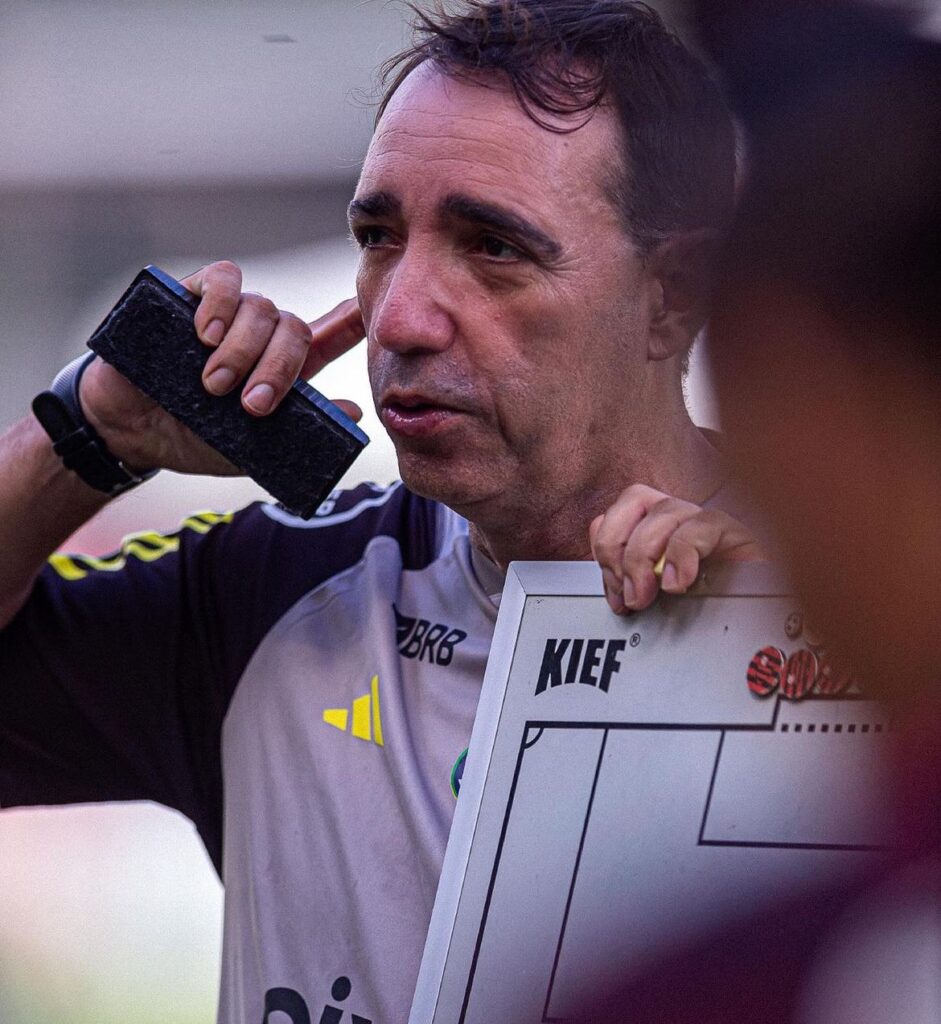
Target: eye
369,236
495,248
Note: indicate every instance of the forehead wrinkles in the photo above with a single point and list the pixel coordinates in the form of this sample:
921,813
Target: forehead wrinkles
522,162
470,141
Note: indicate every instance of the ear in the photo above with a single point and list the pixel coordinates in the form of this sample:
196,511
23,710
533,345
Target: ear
681,271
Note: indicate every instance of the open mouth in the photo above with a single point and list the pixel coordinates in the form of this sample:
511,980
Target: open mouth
415,415
414,408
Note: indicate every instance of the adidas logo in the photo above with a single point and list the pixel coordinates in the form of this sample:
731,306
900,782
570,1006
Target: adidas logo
367,721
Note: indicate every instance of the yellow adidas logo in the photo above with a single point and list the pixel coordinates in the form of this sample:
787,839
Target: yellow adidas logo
367,722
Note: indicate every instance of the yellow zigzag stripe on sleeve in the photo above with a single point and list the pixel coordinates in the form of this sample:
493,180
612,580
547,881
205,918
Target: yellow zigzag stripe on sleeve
146,546
203,522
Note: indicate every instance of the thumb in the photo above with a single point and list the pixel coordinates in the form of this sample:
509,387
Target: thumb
350,408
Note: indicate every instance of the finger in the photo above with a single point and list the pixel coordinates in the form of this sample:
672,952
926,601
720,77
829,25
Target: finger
247,338
681,565
645,546
333,334
593,528
711,534
610,533
351,409
278,366
219,285
612,591
610,580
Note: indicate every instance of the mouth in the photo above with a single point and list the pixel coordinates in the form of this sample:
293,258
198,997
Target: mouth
412,414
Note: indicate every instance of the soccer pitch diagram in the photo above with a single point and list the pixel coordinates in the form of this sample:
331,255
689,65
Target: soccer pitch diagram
628,789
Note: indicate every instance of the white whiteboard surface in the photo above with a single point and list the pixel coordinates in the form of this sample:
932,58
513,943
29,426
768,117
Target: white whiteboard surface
599,824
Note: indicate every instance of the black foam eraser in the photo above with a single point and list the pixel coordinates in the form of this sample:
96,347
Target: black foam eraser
297,453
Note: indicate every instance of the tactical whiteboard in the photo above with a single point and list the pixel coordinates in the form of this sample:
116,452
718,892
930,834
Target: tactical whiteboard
626,790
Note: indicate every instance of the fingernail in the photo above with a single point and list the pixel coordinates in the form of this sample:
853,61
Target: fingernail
214,331
669,579
260,398
629,593
220,381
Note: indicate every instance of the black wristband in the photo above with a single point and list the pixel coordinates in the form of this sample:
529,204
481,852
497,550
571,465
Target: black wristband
75,440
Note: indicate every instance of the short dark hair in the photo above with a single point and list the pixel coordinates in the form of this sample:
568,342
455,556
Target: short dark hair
566,58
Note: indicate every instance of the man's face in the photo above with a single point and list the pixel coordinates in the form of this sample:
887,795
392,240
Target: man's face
502,298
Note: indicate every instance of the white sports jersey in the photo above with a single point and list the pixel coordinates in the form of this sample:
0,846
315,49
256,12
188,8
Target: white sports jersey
337,752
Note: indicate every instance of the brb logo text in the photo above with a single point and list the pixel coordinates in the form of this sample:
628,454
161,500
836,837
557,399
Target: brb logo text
424,640
579,660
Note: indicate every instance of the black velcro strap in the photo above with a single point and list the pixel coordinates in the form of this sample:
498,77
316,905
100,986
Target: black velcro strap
75,440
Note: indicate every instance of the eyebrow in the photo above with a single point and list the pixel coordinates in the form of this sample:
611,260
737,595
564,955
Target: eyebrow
474,211
462,207
374,204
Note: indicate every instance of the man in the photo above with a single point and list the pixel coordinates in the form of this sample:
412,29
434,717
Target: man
534,213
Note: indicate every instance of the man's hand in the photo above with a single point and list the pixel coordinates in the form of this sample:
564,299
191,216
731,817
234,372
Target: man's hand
258,348
645,527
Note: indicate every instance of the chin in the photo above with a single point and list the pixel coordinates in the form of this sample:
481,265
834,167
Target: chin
456,485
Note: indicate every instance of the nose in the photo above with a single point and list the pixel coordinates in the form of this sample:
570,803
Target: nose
410,314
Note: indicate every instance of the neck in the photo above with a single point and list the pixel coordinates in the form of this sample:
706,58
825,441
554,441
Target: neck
678,461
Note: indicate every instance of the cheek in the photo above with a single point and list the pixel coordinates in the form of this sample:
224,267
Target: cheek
366,290
556,377
373,357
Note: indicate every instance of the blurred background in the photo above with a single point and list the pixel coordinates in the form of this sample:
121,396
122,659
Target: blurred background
174,133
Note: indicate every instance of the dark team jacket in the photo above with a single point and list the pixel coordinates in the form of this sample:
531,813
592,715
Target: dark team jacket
301,692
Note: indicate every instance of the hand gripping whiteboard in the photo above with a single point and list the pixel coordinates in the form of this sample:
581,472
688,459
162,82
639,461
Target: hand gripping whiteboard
626,791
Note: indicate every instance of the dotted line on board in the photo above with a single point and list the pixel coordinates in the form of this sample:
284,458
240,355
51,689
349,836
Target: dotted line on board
850,727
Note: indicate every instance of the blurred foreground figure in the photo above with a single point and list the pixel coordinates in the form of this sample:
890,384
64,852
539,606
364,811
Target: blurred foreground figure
825,342
826,327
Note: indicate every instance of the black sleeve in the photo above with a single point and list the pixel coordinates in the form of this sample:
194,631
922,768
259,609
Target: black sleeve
116,675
